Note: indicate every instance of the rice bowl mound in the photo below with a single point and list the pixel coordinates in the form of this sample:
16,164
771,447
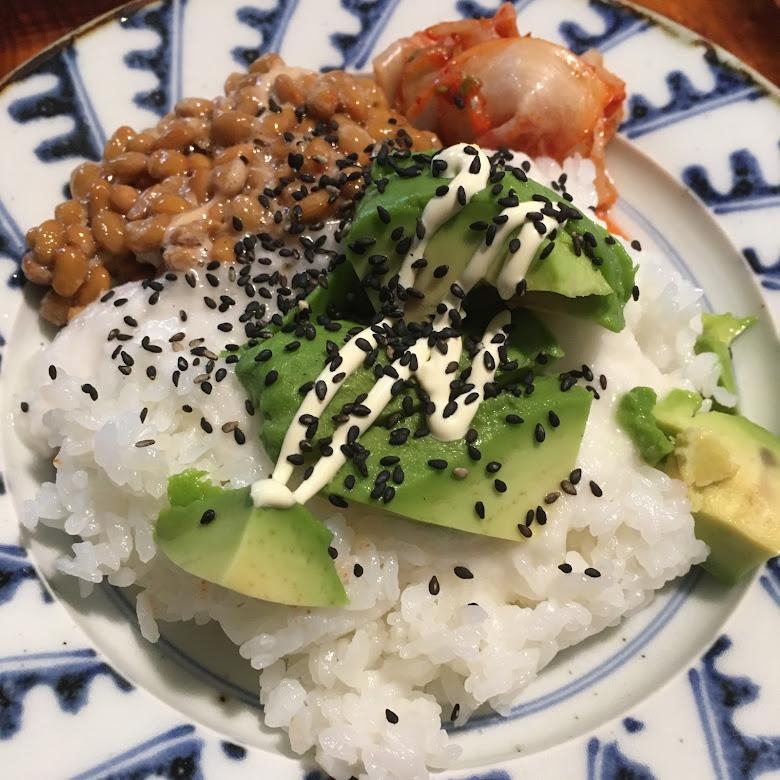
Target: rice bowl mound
439,623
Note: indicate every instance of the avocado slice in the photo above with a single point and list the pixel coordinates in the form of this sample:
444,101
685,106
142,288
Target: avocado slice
731,467
718,332
529,342
444,485
529,469
278,399
567,278
278,555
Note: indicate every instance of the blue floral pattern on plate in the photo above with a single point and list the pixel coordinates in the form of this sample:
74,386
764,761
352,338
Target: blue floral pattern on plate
61,123
69,98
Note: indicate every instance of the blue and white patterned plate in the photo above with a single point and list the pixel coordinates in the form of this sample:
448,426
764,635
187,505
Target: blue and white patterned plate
689,687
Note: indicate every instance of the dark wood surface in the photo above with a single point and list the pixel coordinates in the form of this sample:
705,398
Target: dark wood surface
748,28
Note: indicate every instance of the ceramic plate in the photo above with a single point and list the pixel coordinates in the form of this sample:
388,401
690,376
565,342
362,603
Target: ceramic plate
689,687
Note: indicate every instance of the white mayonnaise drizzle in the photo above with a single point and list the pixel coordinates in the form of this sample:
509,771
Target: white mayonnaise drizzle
431,363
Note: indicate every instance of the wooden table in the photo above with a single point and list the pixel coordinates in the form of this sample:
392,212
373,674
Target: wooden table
748,28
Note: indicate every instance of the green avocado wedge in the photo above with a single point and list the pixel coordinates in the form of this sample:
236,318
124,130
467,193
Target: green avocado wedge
278,400
731,468
486,487
594,282
278,555
529,469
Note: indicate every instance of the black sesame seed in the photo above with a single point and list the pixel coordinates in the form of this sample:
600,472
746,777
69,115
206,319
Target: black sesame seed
552,497
24,406
151,372
479,508
357,570
595,489
206,425
433,586
565,567
540,515
499,485
455,712
90,391
333,552
539,433
474,453
635,292
463,573
636,245
524,530
493,467
575,476
568,487
439,464
514,419
52,372
144,443
555,421
271,377
591,572
208,517
399,436
391,717
337,501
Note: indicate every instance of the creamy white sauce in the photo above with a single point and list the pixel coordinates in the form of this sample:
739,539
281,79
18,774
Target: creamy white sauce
431,363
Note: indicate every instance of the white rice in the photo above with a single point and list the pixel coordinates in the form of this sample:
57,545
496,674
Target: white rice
329,675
